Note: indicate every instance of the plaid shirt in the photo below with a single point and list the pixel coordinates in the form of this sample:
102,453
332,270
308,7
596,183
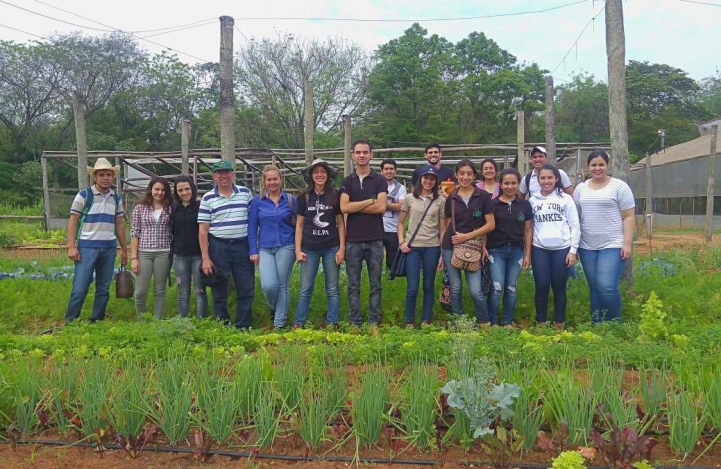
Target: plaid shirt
151,234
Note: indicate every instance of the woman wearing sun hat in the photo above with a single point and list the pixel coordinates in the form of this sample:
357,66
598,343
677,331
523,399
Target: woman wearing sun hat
319,236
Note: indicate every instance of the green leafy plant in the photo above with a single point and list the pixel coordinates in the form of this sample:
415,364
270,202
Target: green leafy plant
569,460
288,376
249,378
480,399
572,403
27,397
502,444
528,417
653,392
653,320
418,404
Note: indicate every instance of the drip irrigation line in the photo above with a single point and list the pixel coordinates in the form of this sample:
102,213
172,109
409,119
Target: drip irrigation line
282,457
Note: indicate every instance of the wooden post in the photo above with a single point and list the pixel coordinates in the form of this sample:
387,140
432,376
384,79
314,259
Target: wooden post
46,192
616,57
195,170
550,121
119,181
710,192
81,141
577,180
505,161
616,54
308,125
649,186
347,164
520,139
184,146
227,132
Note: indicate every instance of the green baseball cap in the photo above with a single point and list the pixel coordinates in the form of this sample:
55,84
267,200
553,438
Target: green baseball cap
222,165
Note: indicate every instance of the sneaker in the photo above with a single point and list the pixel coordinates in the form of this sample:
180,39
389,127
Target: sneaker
425,323
410,325
509,326
373,330
558,326
296,326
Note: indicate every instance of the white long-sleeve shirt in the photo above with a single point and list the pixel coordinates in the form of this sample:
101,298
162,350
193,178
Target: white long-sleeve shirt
555,221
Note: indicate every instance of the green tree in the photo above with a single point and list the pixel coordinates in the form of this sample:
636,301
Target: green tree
581,110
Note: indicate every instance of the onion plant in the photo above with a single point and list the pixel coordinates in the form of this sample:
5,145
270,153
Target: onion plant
249,379
61,383
313,408
653,391
419,404
572,403
94,387
27,396
129,404
217,403
528,415
368,407
686,421
173,398
266,417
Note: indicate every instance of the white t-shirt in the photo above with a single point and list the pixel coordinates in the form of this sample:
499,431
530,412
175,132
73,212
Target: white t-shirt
396,193
536,187
555,221
600,213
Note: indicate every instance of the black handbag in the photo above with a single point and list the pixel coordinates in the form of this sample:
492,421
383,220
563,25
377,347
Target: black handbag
486,280
398,268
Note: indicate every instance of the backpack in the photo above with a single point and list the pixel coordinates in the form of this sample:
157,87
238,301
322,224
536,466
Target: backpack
528,184
87,193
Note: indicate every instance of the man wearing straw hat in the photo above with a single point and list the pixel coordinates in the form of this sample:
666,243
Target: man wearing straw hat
94,229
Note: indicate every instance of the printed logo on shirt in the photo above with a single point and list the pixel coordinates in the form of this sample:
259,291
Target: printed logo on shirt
552,212
477,213
320,225
521,217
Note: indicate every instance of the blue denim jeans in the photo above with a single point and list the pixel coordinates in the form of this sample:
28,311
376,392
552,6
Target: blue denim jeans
234,258
101,262
505,267
275,267
187,268
473,281
603,269
372,253
426,260
550,273
308,273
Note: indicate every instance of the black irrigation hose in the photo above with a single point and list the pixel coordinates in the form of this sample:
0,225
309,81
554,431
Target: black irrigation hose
280,457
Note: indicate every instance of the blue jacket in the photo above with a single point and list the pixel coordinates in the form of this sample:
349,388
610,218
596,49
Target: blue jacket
269,226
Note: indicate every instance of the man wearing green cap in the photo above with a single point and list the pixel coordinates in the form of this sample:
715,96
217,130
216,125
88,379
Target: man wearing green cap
223,235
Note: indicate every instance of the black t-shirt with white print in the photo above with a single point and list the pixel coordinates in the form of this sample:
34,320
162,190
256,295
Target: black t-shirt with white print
320,231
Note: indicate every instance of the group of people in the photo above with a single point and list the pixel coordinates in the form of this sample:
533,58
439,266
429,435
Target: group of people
516,222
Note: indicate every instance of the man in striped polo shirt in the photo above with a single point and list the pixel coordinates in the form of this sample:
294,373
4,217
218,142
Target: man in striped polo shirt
223,235
99,222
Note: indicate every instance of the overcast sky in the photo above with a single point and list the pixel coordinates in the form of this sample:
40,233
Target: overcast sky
675,32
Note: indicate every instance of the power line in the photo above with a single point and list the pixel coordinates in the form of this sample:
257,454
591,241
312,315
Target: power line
112,29
701,3
21,31
241,33
140,31
182,28
410,20
575,43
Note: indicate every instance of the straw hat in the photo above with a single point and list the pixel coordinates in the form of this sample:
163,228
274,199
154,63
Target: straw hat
307,172
103,163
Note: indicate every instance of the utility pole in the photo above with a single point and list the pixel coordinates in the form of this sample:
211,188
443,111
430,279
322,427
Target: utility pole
227,131
309,127
520,139
347,166
81,141
550,121
616,57
649,186
710,192
184,147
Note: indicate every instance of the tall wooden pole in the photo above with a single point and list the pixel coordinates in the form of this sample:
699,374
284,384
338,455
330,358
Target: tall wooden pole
579,172
81,141
46,192
347,164
616,54
710,192
550,120
185,146
227,132
649,186
520,139
308,125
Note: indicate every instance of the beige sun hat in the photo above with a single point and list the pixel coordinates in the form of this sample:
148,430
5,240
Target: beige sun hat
103,163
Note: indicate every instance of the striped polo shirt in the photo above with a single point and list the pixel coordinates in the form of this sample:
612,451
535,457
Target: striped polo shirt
227,216
98,230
